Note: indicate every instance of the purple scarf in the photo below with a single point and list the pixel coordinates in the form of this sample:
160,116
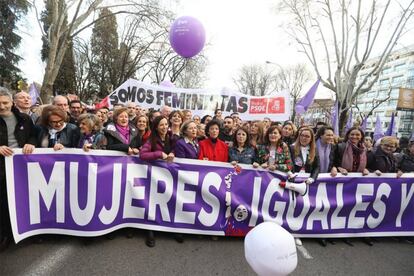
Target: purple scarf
324,151
124,131
86,139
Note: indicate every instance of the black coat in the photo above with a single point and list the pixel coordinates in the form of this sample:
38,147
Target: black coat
115,142
312,168
381,161
24,134
405,162
68,137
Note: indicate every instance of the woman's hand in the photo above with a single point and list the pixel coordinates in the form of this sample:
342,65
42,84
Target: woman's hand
342,171
399,173
28,148
255,165
133,151
170,157
6,151
87,147
234,163
58,146
264,165
334,172
378,172
365,172
272,167
164,156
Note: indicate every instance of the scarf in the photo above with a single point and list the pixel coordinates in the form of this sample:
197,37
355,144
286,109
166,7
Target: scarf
355,157
54,135
86,139
324,151
124,132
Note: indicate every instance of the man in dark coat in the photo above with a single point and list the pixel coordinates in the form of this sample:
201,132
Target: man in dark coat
16,131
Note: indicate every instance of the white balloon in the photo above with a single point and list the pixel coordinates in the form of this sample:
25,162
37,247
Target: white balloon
270,250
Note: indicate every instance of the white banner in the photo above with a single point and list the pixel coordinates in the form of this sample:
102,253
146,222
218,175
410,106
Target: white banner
202,101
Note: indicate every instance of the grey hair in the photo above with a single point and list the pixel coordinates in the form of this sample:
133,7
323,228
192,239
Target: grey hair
5,92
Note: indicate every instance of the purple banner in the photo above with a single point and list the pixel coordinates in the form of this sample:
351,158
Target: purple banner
90,194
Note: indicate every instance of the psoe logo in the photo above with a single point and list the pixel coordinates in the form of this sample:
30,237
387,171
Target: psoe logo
276,105
258,106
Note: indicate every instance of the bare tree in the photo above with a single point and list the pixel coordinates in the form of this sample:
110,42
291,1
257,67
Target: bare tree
293,79
255,80
83,76
193,75
338,37
78,13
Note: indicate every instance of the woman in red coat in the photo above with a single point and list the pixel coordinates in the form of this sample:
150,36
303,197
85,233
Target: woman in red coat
212,148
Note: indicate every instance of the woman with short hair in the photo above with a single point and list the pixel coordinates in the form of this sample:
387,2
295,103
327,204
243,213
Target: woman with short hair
121,135
55,131
382,160
212,148
187,146
92,136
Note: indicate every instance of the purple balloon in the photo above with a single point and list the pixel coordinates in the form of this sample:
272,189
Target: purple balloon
167,83
187,36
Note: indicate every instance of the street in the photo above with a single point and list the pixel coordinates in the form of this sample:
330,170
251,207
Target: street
198,255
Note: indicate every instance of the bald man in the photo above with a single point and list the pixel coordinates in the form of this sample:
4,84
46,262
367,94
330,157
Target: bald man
23,102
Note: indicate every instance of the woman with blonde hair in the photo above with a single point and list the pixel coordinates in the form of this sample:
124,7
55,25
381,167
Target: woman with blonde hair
382,160
288,132
256,133
92,137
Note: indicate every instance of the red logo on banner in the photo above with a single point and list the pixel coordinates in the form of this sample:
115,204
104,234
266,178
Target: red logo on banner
258,106
276,105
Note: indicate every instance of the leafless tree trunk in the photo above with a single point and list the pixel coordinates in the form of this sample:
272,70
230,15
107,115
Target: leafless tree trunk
80,12
338,37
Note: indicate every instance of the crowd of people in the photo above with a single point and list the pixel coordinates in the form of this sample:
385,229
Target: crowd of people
166,134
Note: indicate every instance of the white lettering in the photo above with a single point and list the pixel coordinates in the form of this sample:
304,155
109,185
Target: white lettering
405,199
183,196
379,206
134,192
209,218
279,207
47,190
82,217
107,216
322,206
355,222
160,199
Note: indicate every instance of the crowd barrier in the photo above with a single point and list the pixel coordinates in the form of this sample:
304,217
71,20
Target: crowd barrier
90,194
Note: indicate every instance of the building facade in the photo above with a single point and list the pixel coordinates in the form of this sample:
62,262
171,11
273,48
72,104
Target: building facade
397,73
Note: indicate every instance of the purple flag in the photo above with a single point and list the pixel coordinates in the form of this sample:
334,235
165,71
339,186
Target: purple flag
303,104
34,93
391,127
335,118
349,122
378,129
364,123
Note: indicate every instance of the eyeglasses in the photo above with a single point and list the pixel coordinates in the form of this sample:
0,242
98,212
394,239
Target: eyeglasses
389,146
56,122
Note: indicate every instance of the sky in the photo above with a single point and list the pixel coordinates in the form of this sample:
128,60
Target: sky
239,32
